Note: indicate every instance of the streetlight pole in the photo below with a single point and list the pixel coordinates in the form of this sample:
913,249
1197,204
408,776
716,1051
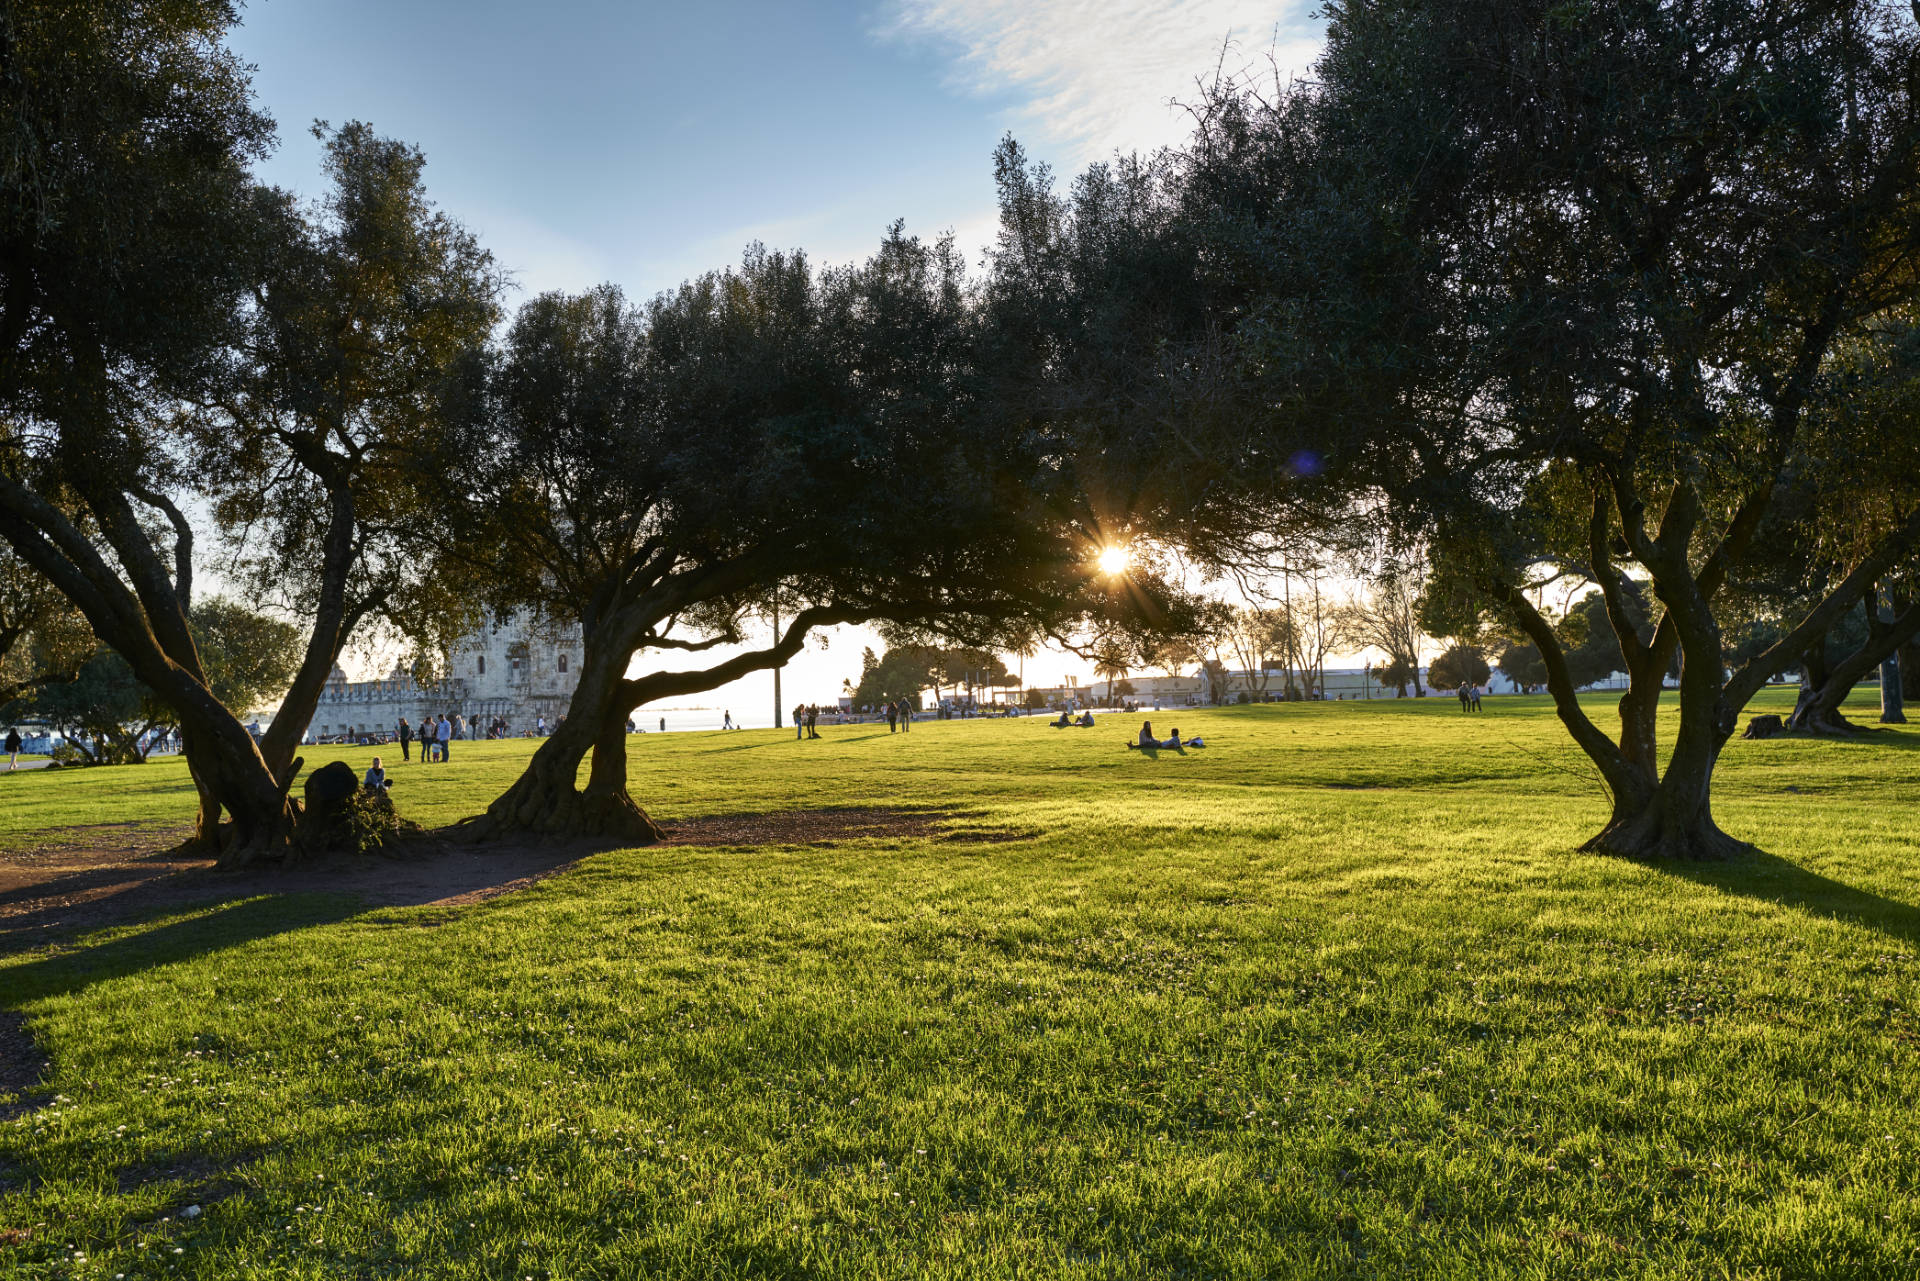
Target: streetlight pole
777,666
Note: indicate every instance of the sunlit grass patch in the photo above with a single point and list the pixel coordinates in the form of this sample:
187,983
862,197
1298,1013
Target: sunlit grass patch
1333,997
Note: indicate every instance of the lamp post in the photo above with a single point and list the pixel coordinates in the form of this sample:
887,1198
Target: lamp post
777,666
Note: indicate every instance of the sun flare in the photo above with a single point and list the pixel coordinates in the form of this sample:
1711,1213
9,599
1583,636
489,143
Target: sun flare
1114,560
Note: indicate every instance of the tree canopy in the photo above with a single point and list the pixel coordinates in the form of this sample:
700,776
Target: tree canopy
659,473
1566,286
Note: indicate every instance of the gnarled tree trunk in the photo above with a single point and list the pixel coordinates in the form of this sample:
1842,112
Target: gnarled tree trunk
230,776
1825,687
1670,815
547,798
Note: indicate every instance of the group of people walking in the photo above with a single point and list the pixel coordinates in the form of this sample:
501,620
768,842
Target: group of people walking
1469,698
899,717
434,735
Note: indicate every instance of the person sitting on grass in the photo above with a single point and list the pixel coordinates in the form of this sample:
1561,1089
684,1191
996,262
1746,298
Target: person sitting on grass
1148,743
1086,719
376,780
1065,721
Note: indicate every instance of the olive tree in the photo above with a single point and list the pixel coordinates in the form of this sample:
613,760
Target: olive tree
657,473
1565,283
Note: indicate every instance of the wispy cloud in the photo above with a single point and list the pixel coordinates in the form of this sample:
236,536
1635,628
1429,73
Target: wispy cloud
1096,76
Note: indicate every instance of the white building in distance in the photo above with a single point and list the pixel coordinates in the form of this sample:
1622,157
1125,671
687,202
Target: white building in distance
508,669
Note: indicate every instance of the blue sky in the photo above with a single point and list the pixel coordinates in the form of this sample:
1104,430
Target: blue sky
589,140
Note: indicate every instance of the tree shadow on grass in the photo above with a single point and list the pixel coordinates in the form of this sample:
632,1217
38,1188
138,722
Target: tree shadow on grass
133,948
1773,879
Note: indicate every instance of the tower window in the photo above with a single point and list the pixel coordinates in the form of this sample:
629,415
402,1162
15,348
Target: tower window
563,662
482,669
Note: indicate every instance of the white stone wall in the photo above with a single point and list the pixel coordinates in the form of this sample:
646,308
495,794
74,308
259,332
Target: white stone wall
509,669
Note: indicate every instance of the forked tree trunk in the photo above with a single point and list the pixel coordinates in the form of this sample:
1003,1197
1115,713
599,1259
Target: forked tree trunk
206,822
229,775
1817,710
547,798
1671,818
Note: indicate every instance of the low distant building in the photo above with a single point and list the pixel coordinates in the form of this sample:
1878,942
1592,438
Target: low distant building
1341,684
508,669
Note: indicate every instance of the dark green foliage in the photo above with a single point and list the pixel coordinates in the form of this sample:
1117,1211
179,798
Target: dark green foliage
371,299
131,240
664,474
43,638
1522,665
364,823
899,675
1460,665
249,656
99,711
1567,286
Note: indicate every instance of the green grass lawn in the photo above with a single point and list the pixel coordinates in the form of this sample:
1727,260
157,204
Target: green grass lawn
1334,997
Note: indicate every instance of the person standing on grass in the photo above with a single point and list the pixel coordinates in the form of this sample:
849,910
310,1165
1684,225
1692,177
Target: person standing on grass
540,725
13,748
663,724
893,718
406,737
799,721
445,735
726,720
1464,696
813,721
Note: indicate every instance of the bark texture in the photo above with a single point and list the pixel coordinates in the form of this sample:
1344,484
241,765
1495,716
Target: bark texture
1825,686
